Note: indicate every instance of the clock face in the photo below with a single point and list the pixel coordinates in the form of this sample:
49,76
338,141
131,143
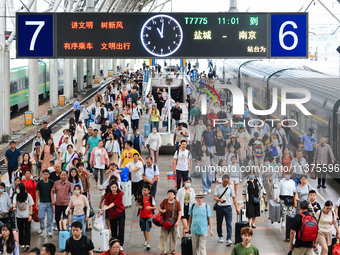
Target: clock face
161,35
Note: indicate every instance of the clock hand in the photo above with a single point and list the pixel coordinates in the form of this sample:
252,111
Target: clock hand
162,28
160,33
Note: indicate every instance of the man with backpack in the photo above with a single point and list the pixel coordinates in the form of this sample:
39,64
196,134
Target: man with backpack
150,175
181,163
200,224
305,229
147,205
136,170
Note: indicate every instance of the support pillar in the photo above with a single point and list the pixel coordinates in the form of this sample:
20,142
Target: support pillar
33,88
233,6
6,96
68,79
123,65
2,65
105,68
114,66
54,83
97,67
80,75
89,73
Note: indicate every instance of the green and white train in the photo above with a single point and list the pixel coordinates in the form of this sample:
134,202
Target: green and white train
19,82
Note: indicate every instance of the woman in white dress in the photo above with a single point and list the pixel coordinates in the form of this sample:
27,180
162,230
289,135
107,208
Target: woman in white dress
80,132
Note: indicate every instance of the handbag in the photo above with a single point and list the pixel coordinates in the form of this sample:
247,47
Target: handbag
98,120
256,200
273,151
35,215
158,219
91,209
215,205
170,222
165,123
64,164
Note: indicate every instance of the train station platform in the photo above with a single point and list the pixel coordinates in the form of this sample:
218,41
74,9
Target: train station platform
269,238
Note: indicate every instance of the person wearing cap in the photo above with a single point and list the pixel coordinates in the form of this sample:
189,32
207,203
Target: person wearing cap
200,224
233,142
154,117
63,147
166,207
76,109
322,155
224,195
309,142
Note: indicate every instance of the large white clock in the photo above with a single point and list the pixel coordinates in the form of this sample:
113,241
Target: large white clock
161,35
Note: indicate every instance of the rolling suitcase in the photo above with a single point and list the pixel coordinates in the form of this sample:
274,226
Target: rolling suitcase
289,225
274,211
186,245
63,236
238,226
147,129
100,240
126,186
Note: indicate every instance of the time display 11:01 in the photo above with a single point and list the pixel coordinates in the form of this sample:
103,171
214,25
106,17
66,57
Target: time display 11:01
229,21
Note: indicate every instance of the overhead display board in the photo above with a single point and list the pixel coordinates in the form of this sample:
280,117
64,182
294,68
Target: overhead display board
162,35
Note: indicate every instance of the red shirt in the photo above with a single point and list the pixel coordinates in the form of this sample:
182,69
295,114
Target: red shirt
212,117
108,253
31,188
143,212
25,167
119,207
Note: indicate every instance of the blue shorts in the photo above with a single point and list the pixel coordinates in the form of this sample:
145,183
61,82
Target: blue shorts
145,224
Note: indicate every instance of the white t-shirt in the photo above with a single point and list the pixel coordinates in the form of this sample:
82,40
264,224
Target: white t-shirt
23,209
98,159
135,115
135,176
63,148
182,160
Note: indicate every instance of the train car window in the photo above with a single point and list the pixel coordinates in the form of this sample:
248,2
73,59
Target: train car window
13,86
26,82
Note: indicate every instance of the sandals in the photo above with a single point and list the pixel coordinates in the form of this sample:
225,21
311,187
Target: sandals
173,253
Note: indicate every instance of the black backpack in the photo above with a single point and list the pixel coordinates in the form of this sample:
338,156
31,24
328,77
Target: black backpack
140,202
154,168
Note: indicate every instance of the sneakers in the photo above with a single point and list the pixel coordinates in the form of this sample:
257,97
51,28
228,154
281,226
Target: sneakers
40,231
55,228
146,243
27,248
229,242
22,247
148,247
49,234
220,239
209,191
205,193
101,188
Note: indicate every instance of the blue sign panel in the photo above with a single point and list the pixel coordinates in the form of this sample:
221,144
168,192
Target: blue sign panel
289,35
35,35
194,75
153,62
146,75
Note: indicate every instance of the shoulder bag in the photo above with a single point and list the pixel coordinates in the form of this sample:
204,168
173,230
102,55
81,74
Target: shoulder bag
215,205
